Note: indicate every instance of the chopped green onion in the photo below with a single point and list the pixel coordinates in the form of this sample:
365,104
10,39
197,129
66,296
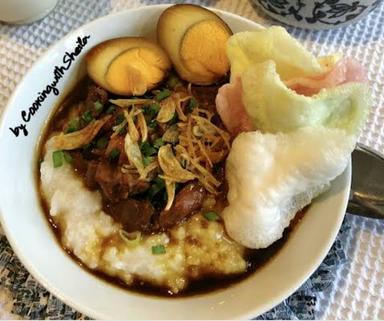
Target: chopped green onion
157,186
119,119
111,109
57,157
68,158
155,107
211,216
172,81
122,131
159,181
151,110
87,150
158,143
87,117
98,106
102,142
162,95
147,149
192,105
88,146
147,160
73,126
158,249
114,154
152,124
132,239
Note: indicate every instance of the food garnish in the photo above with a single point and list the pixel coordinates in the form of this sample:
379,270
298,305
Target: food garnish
73,125
167,134
211,216
128,65
131,239
114,154
302,116
158,249
195,40
80,137
57,157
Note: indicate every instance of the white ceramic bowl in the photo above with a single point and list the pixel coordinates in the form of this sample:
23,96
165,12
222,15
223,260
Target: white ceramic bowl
33,241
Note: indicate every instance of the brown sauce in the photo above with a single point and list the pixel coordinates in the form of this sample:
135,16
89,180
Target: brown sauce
255,259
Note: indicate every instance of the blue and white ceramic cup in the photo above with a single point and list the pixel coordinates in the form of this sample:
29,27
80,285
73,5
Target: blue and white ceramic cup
317,14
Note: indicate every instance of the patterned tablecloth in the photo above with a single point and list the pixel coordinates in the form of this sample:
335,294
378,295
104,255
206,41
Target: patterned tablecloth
350,282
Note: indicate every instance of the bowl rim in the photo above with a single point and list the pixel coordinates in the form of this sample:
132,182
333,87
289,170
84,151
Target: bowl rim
99,315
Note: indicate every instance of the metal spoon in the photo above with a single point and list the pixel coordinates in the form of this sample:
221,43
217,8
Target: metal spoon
367,190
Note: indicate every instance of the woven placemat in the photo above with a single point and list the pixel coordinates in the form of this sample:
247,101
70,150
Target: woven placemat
350,282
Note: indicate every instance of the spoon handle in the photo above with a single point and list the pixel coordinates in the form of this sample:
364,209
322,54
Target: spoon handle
367,190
